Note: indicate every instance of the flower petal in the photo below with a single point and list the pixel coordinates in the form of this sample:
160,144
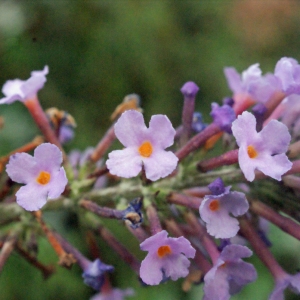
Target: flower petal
247,164
150,271
162,131
57,184
274,166
233,79
160,164
31,197
275,143
176,266
244,125
125,163
21,168
130,129
48,157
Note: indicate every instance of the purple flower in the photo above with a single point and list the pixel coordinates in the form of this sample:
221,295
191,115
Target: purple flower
114,294
43,175
259,88
94,272
223,116
144,147
229,274
288,71
216,211
288,281
264,150
22,90
167,257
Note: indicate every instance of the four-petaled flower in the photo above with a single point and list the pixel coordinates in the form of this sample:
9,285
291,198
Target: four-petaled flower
43,175
264,150
144,147
216,211
22,90
229,274
167,258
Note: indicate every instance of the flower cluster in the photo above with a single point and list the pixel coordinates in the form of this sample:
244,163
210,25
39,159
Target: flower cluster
154,192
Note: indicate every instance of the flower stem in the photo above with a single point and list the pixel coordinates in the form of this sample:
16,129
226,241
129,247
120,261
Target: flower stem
197,141
228,158
122,251
101,211
103,144
184,200
284,223
260,248
6,249
65,259
39,116
46,270
153,218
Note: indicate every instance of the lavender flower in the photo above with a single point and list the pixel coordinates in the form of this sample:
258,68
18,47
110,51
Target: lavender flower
288,281
114,294
288,71
252,84
43,175
144,147
264,150
167,256
93,274
216,211
22,90
229,274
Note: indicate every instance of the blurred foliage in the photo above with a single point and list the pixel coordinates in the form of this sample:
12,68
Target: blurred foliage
100,51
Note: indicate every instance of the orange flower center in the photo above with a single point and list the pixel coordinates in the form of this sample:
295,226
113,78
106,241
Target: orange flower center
251,151
43,178
214,205
146,149
162,251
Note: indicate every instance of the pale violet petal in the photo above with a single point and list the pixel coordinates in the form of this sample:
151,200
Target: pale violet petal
130,129
48,156
160,164
162,131
233,79
150,271
247,164
21,168
31,197
125,163
278,142
244,127
57,184
176,266
274,166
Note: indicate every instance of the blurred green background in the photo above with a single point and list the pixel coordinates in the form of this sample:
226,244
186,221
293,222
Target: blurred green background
100,51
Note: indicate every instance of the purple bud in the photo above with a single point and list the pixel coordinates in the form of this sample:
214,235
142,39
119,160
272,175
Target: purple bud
229,101
223,116
217,187
93,275
259,111
198,125
189,89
